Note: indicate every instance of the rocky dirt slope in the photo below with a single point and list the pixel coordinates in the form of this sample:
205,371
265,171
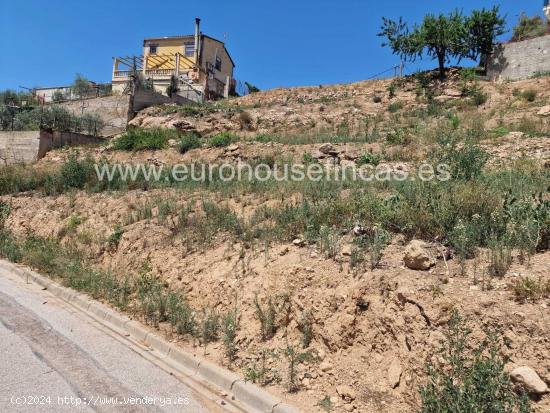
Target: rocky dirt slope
373,330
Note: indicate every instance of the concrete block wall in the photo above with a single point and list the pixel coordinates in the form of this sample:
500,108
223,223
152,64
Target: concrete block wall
113,110
520,60
143,98
55,139
18,146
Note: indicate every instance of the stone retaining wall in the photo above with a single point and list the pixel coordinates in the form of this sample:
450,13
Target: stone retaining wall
520,60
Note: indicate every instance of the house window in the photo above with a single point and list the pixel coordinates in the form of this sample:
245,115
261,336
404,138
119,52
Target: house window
189,49
218,64
153,49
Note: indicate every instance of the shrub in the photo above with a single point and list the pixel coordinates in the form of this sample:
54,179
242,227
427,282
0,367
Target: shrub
267,317
465,238
251,88
74,173
180,315
377,99
52,117
189,141
91,123
398,136
469,381
294,357
529,27
465,162
58,96
141,139
378,241
116,235
479,97
529,95
500,258
528,289
369,159
72,223
223,139
265,138
539,74
210,326
329,241
306,327
5,210
395,107
43,254
263,374
229,330
325,404
392,88
9,248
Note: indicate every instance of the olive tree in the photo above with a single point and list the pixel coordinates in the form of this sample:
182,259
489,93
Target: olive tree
440,37
484,26
445,37
81,86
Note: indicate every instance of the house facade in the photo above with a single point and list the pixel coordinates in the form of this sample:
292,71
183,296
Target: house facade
199,64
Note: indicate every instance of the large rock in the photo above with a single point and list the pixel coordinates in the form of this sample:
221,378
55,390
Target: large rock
528,378
418,256
544,111
346,393
394,373
328,149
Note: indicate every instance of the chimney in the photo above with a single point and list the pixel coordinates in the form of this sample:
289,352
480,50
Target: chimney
197,40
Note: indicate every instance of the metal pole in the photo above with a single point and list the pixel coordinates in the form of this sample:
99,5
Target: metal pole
197,40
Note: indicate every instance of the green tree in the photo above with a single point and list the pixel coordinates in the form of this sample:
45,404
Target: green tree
446,37
81,86
9,97
484,26
58,96
251,88
440,37
172,88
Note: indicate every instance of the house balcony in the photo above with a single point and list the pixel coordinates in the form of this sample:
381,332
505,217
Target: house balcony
160,67
148,73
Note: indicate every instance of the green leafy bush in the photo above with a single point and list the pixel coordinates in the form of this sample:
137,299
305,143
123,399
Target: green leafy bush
142,139
223,139
530,95
529,27
369,159
189,141
265,138
465,160
395,107
229,330
115,237
267,317
470,380
9,248
479,97
5,210
75,173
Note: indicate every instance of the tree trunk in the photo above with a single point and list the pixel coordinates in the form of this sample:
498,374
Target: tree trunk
441,60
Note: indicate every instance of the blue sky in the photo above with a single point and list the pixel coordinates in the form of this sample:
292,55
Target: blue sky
274,43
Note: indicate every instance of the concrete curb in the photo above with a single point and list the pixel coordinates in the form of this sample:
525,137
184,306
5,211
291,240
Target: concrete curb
253,398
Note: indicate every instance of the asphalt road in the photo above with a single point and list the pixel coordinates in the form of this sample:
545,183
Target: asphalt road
53,358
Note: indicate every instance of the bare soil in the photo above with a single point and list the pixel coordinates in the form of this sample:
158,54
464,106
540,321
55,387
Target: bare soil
373,330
